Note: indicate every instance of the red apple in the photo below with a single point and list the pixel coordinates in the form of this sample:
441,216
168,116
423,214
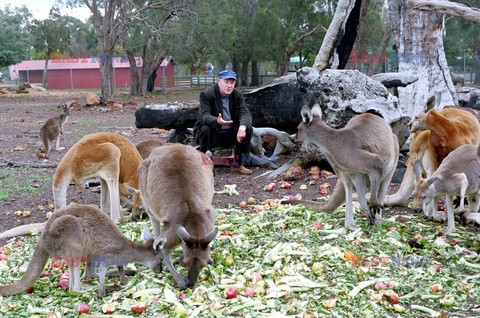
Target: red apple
231,292
256,277
51,315
242,204
441,207
437,269
380,286
20,244
30,289
249,292
324,188
182,296
63,281
286,185
138,307
83,309
317,225
3,257
437,289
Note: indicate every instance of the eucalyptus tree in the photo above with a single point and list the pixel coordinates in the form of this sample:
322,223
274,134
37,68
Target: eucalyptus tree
15,40
50,35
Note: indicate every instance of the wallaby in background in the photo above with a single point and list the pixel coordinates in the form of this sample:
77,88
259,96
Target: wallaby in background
52,129
177,190
110,157
364,151
458,175
83,231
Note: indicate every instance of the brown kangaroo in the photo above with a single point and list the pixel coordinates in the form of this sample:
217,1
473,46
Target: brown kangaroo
177,190
365,150
146,147
109,156
85,232
52,129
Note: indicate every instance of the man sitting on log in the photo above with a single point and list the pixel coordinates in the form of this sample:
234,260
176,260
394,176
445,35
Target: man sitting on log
224,120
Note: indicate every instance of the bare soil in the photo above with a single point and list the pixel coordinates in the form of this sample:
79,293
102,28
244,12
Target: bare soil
28,188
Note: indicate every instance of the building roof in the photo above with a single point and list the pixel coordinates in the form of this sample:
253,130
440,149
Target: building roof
74,64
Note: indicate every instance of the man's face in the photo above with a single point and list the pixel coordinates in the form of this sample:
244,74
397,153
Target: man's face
226,85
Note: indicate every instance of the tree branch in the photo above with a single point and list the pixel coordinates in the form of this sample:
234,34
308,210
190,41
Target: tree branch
447,7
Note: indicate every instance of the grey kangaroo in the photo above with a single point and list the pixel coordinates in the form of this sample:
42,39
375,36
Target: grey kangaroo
52,129
458,174
364,151
85,232
177,189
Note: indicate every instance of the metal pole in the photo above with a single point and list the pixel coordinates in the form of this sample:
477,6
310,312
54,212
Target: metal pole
71,77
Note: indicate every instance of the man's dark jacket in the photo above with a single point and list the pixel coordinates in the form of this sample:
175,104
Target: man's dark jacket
211,106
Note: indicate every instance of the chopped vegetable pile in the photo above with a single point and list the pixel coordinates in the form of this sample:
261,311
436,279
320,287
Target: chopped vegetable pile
281,261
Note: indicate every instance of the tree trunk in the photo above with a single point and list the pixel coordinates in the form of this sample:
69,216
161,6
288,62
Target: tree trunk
358,45
374,67
244,75
283,65
255,76
147,66
326,57
476,42
151,79
45,69
135,86
418,37
106,72
235,66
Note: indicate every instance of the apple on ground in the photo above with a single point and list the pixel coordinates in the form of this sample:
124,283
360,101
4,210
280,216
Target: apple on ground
249,292
182,296
231,292
30,290
108,308
256,276
317,225
3,257
138,307
242,204
180,310
83,309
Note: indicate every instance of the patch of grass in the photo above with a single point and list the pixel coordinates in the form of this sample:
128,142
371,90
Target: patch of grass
20,182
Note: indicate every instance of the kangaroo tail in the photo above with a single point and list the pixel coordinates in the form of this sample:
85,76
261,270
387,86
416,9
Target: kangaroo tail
46,142
405,190
23,229
335,200
34,271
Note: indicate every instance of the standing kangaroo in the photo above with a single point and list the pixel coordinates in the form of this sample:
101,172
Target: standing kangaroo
52,129
177,190
458,174
365,150
85,232
109,156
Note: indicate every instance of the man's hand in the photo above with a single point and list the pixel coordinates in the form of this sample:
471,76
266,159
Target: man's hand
222,122
241,134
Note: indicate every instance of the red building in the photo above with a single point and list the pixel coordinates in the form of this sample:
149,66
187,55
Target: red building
85,72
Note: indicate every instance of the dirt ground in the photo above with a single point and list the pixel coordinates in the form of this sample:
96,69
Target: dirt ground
25,192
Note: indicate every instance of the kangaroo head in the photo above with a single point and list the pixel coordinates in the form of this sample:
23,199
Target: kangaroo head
424,192
196,252
309,116
419,122
157,244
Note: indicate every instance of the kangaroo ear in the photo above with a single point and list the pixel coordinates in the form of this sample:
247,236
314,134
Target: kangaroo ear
159,242
431,180
429,105
306,114
132,191
317,110
146,234
210,237
183,234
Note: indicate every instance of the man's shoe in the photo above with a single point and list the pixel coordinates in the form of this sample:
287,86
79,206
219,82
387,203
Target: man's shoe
241,170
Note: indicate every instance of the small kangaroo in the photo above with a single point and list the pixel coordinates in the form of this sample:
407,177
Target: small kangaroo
177,190
83,231
458,174
109,156
52,129
365,150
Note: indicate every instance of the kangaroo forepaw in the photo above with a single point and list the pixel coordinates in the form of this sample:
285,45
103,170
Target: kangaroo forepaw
375,216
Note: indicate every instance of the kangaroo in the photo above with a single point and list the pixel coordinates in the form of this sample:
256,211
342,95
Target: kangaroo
146,147
52,129
458,174
83,231
365,150
177,190
109,156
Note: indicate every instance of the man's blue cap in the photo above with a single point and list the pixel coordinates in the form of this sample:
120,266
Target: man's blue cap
227,74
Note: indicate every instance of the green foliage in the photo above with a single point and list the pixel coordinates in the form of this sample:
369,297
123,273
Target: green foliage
14,36
51,34
20,181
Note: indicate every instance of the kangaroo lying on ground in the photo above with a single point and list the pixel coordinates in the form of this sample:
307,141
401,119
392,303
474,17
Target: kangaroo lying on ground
177,190
365,150
52,129
83,231
458,174
108,156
